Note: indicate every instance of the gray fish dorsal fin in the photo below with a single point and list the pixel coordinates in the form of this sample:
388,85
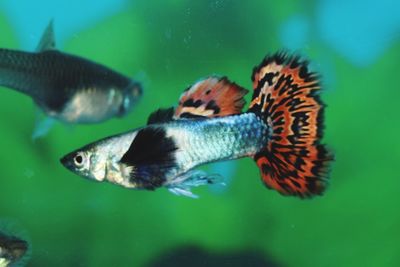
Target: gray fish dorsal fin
47,42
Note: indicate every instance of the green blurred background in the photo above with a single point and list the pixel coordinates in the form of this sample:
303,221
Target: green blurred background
169,45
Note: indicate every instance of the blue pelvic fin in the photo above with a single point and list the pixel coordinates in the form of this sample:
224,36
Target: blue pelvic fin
43,124
47,42
183,184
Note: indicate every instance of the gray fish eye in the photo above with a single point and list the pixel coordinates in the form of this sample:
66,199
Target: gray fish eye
79,159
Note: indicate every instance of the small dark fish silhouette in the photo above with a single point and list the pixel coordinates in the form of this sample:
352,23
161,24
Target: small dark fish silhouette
12,249
281,131
67,87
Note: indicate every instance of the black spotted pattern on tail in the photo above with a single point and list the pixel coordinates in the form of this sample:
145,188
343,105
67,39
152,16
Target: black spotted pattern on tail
286,97
211,97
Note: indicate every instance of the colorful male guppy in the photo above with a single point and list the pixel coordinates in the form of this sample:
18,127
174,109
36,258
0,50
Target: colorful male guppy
12,249
67,87
281,131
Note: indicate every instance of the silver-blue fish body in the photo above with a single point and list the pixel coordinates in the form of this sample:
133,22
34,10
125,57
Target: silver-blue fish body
209,140
165,154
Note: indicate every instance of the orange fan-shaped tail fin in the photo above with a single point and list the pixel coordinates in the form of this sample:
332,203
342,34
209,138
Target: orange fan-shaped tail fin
293,162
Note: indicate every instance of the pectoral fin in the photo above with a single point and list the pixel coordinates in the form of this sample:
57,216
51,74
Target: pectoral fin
43,124
183,184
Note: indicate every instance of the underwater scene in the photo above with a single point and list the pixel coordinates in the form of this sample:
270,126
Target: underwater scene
199,133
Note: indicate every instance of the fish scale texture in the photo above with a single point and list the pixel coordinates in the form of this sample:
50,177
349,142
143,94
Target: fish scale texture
208,140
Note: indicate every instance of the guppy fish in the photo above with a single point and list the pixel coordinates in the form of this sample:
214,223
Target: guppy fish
281,131
12,249
67,87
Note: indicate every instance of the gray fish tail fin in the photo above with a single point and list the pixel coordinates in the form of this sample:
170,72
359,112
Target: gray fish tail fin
14,71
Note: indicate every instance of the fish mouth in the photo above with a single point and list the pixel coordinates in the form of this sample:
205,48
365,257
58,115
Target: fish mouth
67,162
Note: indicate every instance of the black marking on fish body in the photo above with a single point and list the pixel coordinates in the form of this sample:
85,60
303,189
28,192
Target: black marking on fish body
161,115
151,154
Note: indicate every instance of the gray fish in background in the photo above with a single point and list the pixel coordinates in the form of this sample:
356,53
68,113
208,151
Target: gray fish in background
67,87
281,131
12,249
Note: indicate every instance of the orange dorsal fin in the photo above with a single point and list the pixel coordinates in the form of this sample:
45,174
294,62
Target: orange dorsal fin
285,96
211,97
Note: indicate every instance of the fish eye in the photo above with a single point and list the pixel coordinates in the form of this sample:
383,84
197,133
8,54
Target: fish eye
78,159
